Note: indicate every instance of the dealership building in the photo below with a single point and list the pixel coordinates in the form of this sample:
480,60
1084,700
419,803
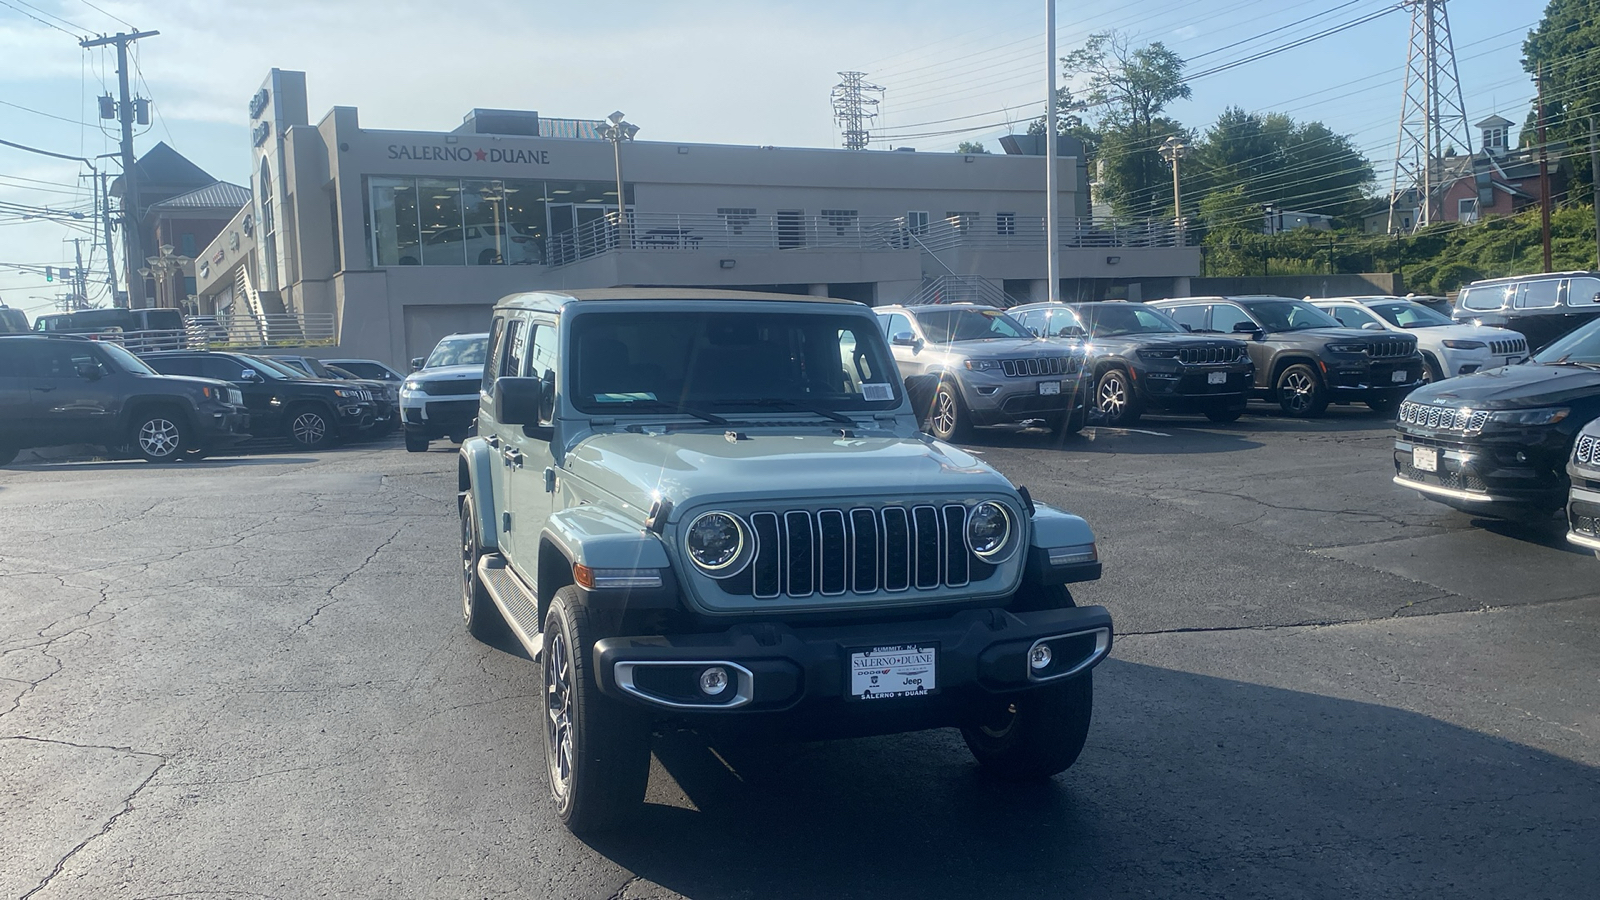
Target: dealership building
378,242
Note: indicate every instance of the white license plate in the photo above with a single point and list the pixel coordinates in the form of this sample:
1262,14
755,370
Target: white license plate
1049,387
1216,378
1400,377
907,670
1425,459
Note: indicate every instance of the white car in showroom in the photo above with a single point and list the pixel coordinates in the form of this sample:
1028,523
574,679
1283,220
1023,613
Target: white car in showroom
1449,348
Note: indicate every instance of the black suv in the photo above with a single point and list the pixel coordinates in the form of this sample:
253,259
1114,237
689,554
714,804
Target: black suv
1498,441
311,414
385,396
1140,359
59,390
1542,307
1304,358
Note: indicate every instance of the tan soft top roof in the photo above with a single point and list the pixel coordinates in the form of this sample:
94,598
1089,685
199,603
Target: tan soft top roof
644,293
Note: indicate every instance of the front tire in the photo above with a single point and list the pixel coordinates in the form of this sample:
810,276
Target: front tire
597,751
416,443
1300,392
1222,415
1035,734
7,454
949,419
478,612
1431,371
160,436
1114,397
1383,405
308,428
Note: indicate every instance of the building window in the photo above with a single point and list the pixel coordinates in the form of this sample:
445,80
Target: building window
840,220
736,218
186,245
1467,209
396,240
917,222
477,222
1005,223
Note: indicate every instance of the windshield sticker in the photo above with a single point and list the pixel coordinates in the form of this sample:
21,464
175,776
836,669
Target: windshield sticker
877,392
623,398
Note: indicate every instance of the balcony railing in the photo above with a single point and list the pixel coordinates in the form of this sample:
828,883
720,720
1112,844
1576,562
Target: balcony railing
668,232
244,330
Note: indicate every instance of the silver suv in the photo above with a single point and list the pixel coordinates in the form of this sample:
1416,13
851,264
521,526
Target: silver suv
967,365
716,508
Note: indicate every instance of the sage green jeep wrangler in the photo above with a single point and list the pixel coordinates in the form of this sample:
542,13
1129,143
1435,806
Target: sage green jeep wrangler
715,508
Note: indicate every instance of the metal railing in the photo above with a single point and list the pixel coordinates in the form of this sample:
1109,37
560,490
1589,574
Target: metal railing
668,232
248,330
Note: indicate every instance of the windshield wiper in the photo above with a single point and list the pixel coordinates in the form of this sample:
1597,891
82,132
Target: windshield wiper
664,406
779,403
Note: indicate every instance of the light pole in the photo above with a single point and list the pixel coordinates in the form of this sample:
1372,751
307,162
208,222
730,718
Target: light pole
616,130
165,268
1173,149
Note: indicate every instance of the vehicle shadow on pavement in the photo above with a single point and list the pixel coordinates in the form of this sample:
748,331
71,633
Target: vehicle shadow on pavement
1547,531
183,467
1189,786
1153,439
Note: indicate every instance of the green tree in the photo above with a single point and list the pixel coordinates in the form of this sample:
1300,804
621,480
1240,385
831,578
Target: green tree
1129,88
1275,161
971,148
1564,46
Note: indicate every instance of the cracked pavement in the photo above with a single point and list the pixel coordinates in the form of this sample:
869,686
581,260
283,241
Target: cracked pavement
248,678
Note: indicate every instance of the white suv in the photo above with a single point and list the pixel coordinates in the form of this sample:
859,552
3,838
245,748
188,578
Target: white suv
1448,347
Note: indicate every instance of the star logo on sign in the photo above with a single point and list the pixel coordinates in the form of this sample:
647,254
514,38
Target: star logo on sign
482,156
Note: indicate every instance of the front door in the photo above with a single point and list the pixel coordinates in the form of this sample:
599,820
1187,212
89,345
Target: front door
72,396
530,467
507,349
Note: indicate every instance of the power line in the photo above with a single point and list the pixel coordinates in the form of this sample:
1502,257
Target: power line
45,114
25,12
104,13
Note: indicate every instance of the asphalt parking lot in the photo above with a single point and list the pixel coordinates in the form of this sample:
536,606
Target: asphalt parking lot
247,677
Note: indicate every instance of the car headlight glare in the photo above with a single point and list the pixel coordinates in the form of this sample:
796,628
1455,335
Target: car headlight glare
1546,416
989,529
1465,345
718,543
978,365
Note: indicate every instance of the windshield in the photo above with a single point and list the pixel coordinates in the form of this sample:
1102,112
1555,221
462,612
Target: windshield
727,362
1408,314
1581,346
129,363
1116,319
944,326
269,369
1288,315
459,351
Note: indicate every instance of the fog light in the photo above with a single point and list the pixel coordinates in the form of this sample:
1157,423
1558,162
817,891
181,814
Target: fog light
713,681
1039,657
1522,457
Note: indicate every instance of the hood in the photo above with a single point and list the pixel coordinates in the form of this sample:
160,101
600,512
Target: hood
1336,334
193,381
690,466
1483,333
448,373
1005,348
1173,340
1512,387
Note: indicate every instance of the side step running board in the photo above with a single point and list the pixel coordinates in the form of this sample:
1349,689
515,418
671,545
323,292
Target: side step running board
516,600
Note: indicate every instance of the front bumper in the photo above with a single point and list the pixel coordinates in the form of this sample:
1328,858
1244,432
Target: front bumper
1373,379
1484,471
804,673
1583,508
224,426
1465,362
1190,387
439,417
994,400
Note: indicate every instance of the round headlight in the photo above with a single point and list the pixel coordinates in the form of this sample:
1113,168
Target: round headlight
988,529
717,542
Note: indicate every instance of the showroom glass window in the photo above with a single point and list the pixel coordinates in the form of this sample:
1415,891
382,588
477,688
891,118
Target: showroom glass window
486,221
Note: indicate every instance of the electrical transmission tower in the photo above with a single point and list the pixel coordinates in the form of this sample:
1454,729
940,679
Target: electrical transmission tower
852,108
1432,114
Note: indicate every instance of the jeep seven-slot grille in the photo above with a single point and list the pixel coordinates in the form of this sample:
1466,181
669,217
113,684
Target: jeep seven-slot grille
833,552
1210,356
1587,451
1446,418
1041,365
1508,347
1390,349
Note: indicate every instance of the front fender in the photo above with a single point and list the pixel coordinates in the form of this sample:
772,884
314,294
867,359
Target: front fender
601,539
1061,548
476,475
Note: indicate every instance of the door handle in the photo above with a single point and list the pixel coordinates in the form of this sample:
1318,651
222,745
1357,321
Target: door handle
512,456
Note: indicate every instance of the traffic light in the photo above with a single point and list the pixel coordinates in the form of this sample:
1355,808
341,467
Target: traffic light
49,273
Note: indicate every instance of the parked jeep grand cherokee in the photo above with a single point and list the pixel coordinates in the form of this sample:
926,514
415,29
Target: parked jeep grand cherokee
716,508
972,365
1139,359
1304,358
1583,504
1499,441
311,414
58,389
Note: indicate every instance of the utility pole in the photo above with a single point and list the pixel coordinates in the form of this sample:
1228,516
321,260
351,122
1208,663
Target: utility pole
130,187
105,225
80,277
1594,176
1432,113
1544,174
1052,215
852,108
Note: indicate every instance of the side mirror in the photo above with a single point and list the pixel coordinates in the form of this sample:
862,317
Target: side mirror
1072,331
89,371
516,401
416,362
904,339
1246,328
249,375
1372,326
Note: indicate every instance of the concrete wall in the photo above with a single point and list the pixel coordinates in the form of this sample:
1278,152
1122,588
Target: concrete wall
1298,285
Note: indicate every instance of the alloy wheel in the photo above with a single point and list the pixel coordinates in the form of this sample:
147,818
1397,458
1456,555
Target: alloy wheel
1297,390
1113,397
944,414
159,437
309,429
469,572
558,713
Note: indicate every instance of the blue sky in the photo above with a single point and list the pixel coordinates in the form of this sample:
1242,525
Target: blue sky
732,71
